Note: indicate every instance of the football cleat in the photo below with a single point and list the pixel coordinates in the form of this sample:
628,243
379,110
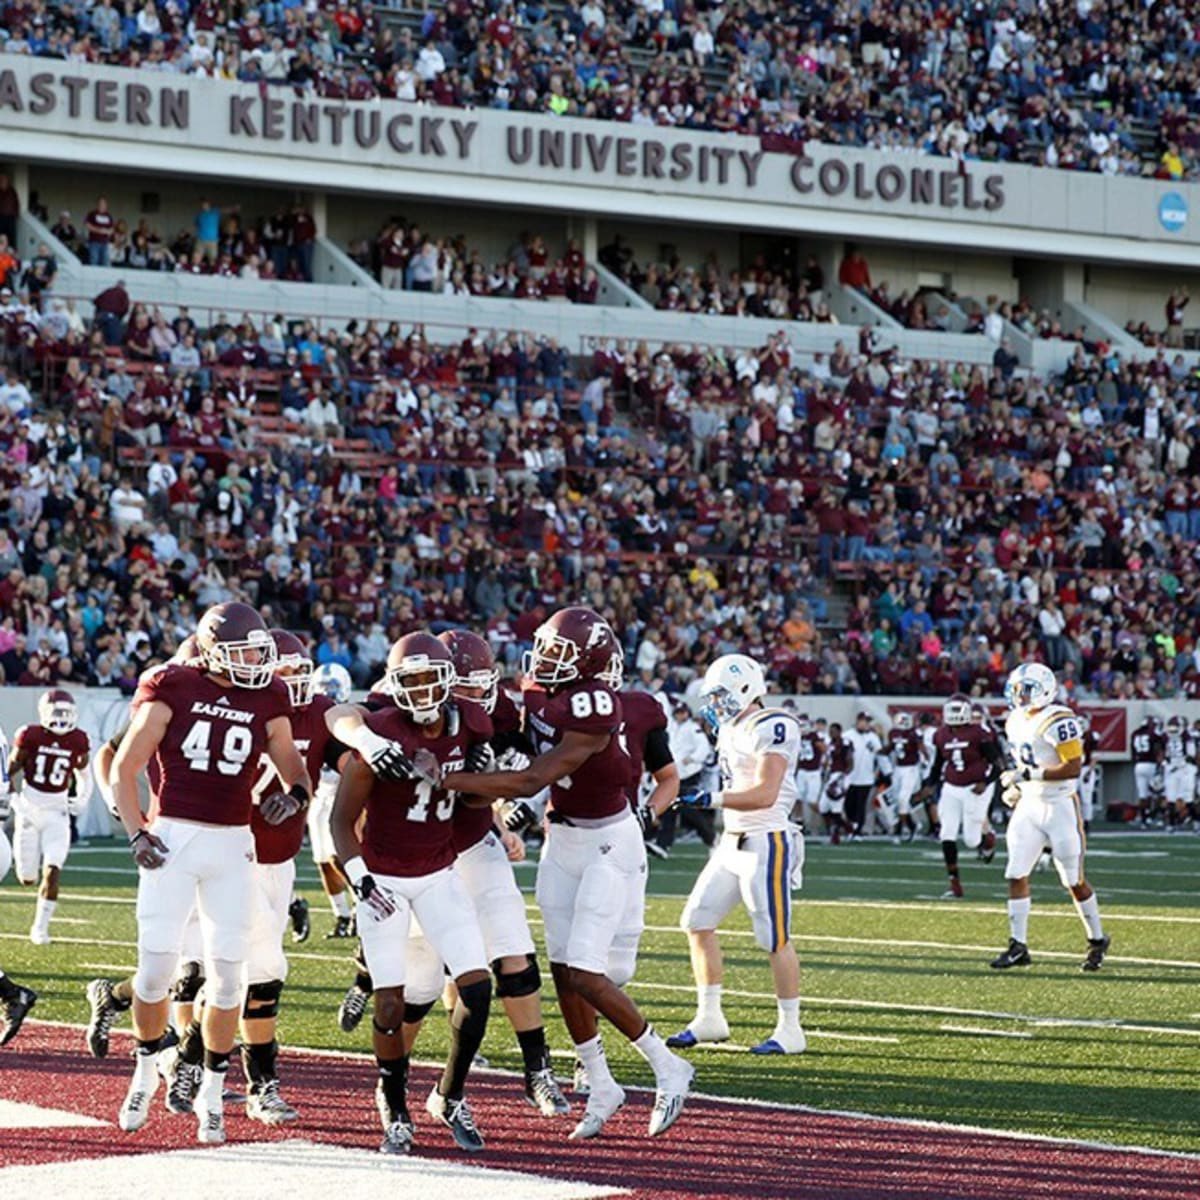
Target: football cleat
987,847
397,1138
39,935
183,1082
456,1116
700,1032
135,1108
301,926
955,890
657,850
780,1043
350,1011
581,1085
670,1096
265,1104
1097,949
343,927
908,833
1017,955
600,1106
103,1012
542,1091
13,1012
210,1125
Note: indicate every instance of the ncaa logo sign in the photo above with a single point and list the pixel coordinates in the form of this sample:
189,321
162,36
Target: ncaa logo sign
1172,212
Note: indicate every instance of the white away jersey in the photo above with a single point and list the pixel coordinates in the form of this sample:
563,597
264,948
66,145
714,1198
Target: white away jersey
740,746
1181,750
1045,738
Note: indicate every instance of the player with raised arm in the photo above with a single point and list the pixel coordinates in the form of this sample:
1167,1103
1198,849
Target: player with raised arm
592,874
15,999
403,868
758,857
206,731
967,763
53,758
1046,739
333,681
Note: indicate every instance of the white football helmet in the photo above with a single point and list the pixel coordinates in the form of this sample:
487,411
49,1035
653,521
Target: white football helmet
731,685
957,710
1031,685
904,720
332,680
57,711
1176,725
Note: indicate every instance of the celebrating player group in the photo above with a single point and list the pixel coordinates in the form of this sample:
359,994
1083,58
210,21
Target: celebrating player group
416,800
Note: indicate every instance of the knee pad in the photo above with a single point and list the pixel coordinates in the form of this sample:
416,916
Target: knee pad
152,981
525,982
414,1013
476,997
1069,871
188,982
262,1000
622,961
224,988
764,935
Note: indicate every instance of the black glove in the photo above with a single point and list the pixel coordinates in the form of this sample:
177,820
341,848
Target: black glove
480,759
518,816
279,806
149,851
376,898
647,818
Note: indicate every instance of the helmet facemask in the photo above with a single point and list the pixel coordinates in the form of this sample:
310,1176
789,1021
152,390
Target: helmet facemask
421,687
720,706
249,662
481,686
554,659
296,672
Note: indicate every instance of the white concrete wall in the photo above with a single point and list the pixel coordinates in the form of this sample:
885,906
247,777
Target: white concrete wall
1127,294
976,275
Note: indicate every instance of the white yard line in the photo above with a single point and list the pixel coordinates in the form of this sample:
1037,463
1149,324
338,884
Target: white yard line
976,1031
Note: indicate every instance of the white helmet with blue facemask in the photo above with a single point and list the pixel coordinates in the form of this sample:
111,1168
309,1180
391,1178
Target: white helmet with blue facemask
731,685
1031,685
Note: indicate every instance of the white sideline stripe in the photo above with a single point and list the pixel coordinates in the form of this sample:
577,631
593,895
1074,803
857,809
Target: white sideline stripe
1015,1135
120,968
296,1167
977,1031
15,1115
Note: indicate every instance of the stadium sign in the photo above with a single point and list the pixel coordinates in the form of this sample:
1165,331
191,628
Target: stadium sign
107,117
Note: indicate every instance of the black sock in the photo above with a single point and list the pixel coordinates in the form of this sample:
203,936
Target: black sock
8,989
393,1073
122,994
362,981
149,1045
950,854
534,1050
191,1045
467,1025
216,1060
258,1061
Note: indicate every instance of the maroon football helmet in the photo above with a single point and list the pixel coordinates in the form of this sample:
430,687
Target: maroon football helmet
293,666
419,676
957,710
57,711
234,642
573,644
476,676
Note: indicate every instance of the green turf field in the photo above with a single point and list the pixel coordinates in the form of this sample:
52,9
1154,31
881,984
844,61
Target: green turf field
903,1015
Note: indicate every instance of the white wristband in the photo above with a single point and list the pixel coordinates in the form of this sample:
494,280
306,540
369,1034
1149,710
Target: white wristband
718,800
1036,773
366,741
355,869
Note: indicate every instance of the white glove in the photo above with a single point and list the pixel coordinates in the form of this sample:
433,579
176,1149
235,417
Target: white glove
385,757
84,782
1011,795
1010,779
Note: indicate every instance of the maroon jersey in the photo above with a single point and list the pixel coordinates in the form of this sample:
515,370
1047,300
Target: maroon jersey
904,747
643,715
811,752
471,823
409,829
960,748
1148,745
1091,744
319,748
208,758
589,706
49,760
841,757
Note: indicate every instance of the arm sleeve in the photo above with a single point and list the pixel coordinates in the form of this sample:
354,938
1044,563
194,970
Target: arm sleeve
1066,736
658,751
333,754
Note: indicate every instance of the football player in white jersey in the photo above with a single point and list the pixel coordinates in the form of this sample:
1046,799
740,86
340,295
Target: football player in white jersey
332,680
758,858
1180,776
1047,742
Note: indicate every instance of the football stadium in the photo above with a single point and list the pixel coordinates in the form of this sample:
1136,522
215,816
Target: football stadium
600,598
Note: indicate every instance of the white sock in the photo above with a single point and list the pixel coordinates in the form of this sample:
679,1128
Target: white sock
708,1003
1018,918
789,1013
45,910
145,1070
341,905
591,1054
1089,914
212,1088
654,1050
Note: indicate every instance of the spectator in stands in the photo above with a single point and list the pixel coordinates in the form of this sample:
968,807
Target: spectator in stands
1176,306
100,226
10,210
854,272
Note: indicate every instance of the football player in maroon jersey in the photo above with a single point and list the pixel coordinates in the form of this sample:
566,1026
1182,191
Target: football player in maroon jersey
592,874
54,758
401,868
206,730
968,758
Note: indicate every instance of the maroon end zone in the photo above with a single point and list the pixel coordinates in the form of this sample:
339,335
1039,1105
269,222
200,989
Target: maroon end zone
718,1150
